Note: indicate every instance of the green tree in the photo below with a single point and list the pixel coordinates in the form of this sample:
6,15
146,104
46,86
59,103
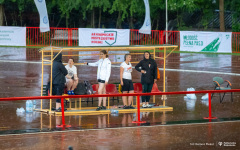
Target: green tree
101,6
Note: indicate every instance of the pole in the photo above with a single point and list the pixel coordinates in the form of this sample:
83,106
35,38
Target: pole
42,81
62,106
138,111
51,81
209,108
166,23
164,76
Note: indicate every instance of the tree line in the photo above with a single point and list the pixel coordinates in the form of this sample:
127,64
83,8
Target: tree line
118,13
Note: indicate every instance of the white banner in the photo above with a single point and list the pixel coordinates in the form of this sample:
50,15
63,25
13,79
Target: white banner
197,41
13,36
42,10
146,28
103,37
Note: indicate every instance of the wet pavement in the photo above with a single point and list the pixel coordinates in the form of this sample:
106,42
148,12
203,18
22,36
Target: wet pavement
195,136
21,76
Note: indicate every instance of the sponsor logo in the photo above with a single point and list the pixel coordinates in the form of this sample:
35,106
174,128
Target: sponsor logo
148,22
227,144
111,40
40,1
227,36
214,45
45,20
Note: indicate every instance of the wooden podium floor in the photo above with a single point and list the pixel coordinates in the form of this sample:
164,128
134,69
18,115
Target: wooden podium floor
92,110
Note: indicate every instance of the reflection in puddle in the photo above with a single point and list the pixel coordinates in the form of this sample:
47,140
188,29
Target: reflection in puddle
28,116
190,103
205,102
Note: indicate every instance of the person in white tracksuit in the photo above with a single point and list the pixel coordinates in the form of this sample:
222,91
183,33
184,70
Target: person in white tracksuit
103,75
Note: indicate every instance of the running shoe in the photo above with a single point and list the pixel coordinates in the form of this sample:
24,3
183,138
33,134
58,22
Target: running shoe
149,106
131,107
98,108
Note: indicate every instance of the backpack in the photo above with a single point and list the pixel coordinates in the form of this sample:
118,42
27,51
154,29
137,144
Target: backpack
88,87
80,89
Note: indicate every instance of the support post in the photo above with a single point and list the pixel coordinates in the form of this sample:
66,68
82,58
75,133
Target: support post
63,117
209,108
42,80
164,75
138,111
80,103
51,81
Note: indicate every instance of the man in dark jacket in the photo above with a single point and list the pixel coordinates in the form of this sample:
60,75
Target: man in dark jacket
148,68
59,72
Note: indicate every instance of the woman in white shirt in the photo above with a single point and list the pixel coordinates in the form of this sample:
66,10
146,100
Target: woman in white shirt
103,75
126,81
72,72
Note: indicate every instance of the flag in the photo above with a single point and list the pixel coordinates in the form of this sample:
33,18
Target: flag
42,10
146,28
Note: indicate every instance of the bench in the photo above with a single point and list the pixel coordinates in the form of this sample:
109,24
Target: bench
65,35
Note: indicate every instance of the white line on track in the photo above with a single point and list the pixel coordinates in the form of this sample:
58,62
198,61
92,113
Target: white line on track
194,71
117,66
82,130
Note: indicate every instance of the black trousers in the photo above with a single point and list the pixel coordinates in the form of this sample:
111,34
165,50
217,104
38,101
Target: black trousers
59,90
147,88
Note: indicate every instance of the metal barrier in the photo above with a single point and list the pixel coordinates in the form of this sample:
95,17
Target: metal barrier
137,38
69,37
56,37
118,95
236,42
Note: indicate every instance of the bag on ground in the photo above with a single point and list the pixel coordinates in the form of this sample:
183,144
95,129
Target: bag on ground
88,87
191,96
80,89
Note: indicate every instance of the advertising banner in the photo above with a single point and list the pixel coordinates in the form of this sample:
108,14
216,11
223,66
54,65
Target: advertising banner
146,28
42,10
13,36
103,37
197,41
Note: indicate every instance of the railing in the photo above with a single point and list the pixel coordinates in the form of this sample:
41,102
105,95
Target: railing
69,37
236,42
56,37
118,95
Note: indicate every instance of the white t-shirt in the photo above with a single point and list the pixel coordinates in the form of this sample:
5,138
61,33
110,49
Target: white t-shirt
71,71
127,70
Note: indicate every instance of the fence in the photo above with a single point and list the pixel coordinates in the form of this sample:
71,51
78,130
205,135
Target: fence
118,95
69,37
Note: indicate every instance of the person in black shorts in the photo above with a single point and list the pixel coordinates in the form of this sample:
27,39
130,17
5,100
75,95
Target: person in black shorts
103,75
126,81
